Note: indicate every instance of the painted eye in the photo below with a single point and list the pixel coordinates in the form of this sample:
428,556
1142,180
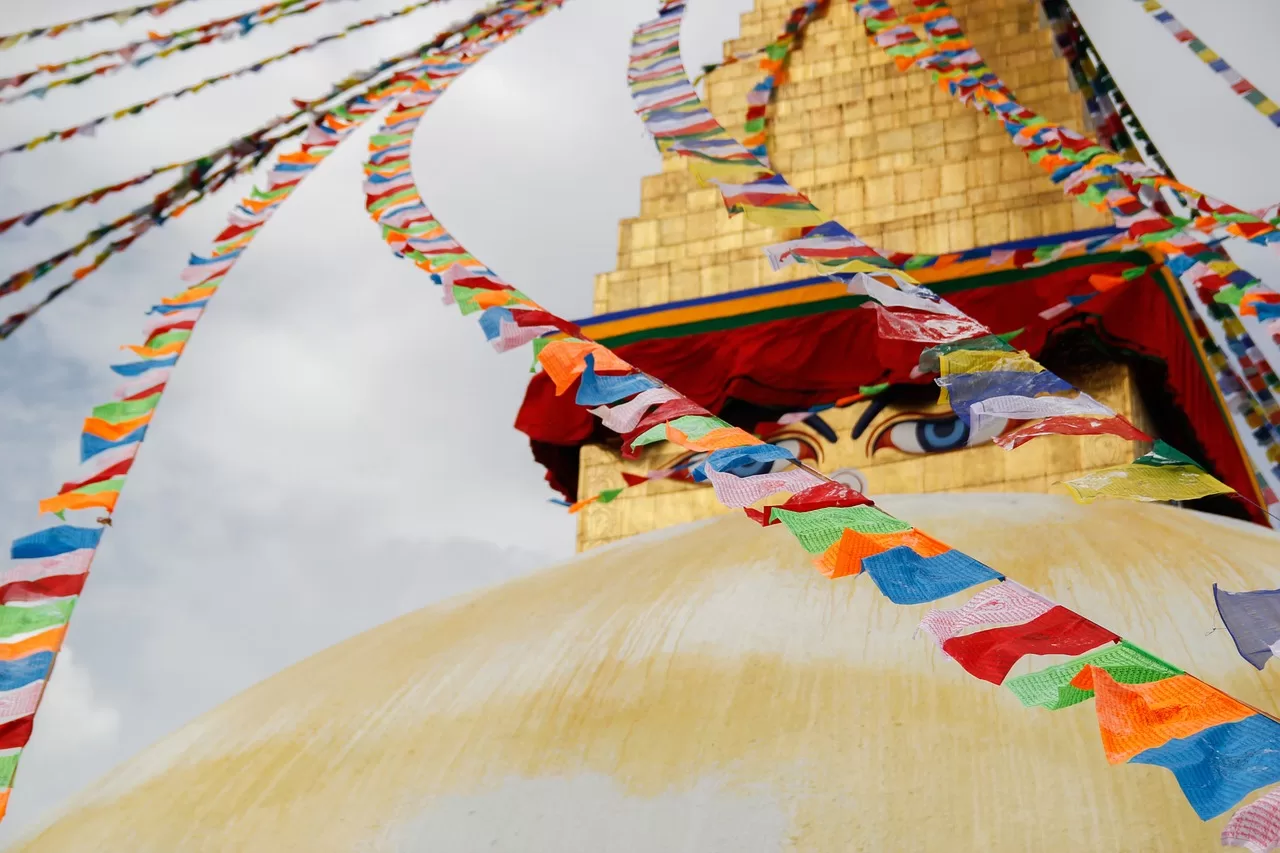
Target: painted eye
936,434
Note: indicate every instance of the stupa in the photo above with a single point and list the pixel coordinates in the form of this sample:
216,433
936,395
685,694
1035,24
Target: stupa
699,686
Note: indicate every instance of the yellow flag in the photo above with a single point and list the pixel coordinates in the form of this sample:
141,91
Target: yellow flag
736,172
1164,474
1146,483
981,361
781,217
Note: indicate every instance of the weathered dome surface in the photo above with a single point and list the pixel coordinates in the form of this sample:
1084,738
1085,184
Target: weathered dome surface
704,689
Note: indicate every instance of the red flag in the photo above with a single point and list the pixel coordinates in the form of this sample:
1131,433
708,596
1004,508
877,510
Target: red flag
990,654
1072,425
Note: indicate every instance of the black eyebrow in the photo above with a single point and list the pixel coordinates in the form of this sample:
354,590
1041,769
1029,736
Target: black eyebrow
818,425
875,407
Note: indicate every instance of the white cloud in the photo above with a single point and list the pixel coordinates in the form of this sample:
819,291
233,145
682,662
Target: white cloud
72,715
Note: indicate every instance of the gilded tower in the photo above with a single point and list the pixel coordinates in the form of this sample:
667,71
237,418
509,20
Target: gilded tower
907,168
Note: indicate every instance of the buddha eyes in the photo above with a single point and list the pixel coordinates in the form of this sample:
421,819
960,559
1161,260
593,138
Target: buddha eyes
914,433
919,434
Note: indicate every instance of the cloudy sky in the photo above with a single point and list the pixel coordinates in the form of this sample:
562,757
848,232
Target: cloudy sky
337,448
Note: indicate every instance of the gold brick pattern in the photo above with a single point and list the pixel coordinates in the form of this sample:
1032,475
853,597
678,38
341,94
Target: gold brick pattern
900,163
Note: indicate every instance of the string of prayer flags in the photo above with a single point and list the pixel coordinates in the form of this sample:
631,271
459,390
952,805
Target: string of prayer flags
1056,687
1087,171
770,201
655,64
831,248
600,375
244,154
39,590
675,115
773,64
623,417
1019,408
565,360
1006,378
89,128
166,205
985,384
690,429
120,16
30,217
48,567
823,515
1249,386
728,459
1253,620
1107,113
931,358
1233,78
163,45
1255,827
1163,474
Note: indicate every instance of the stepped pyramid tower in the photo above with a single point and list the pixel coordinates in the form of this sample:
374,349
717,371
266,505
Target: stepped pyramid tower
907,168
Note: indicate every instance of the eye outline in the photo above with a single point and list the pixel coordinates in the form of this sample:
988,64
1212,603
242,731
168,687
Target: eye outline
882,438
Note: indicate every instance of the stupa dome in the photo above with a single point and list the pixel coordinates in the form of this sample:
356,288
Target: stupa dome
703,688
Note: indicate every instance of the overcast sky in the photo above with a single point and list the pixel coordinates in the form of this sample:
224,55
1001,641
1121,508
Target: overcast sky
336,448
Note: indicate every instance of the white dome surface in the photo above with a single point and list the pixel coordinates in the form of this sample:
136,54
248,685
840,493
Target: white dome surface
705,689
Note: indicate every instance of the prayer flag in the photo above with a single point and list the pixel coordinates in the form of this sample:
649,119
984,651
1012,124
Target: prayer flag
1253,620
905,577
1054,687
1256,827
990,654
822,496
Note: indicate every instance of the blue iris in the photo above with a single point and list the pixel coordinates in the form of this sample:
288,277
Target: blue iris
943,434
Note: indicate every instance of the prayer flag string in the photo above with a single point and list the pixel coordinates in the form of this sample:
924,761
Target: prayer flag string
90,127
1102,179
45,575
1087,171
1232,77
1107,110
844,528
159,46
120,16
172,201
